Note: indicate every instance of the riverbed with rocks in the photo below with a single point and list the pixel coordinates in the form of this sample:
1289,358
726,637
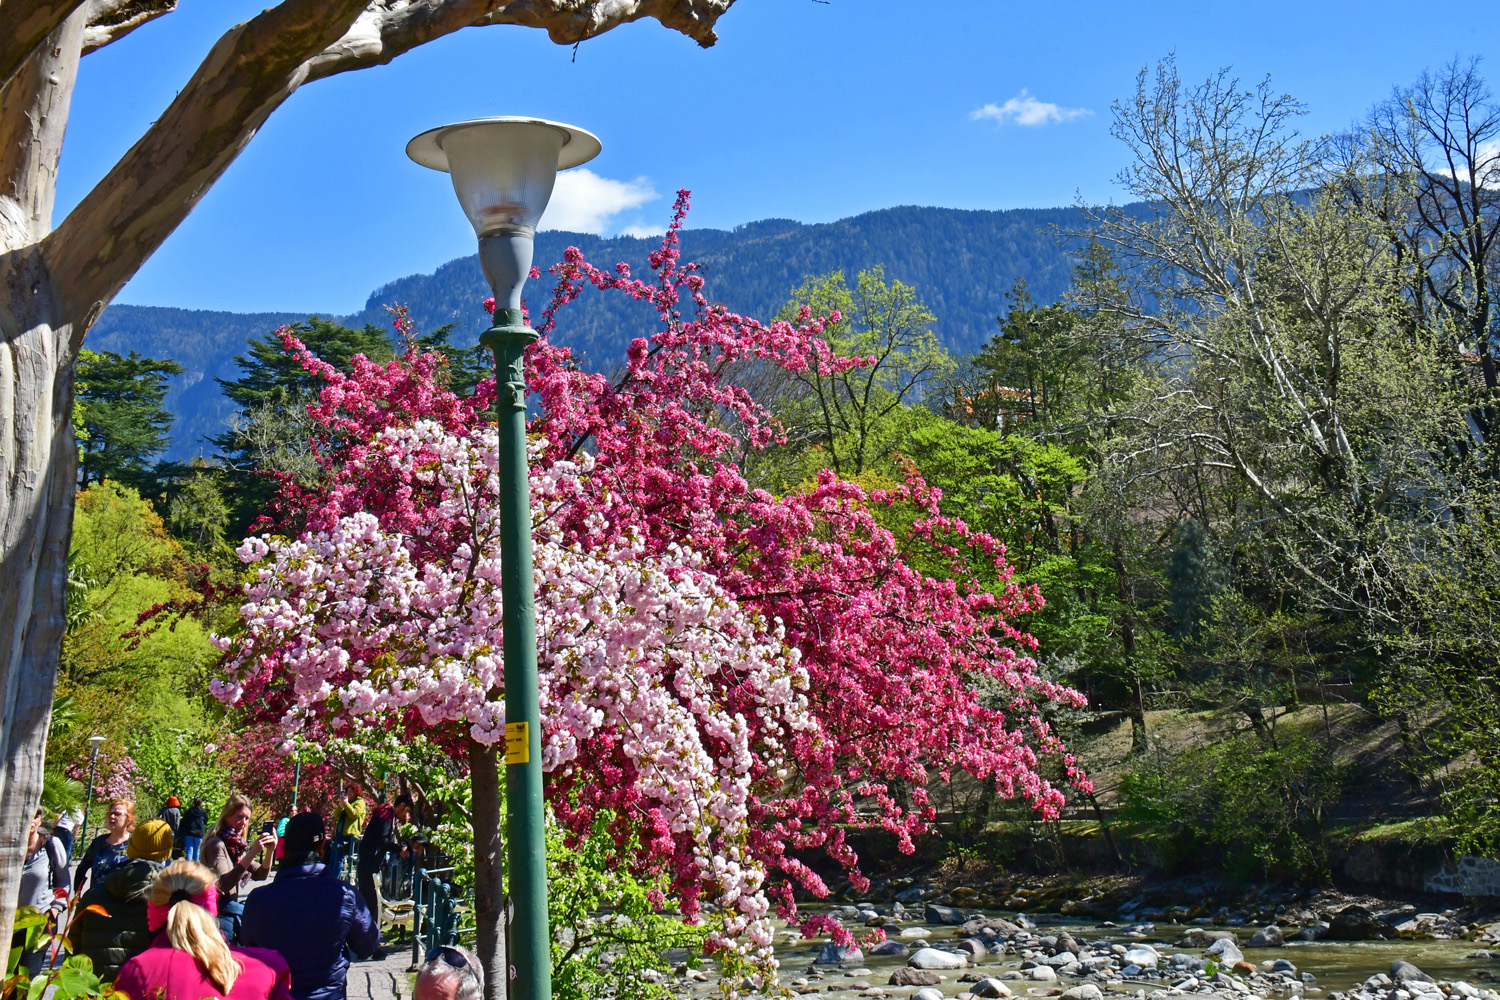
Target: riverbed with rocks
933,951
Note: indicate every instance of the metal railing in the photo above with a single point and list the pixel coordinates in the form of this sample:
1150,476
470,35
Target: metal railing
436,912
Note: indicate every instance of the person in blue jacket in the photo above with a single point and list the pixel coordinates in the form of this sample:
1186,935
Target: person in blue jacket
309,916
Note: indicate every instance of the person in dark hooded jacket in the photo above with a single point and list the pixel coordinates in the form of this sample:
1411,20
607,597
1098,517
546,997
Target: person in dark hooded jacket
191,830
309,916
111,926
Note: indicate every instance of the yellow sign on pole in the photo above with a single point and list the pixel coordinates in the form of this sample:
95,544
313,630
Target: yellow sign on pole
517,743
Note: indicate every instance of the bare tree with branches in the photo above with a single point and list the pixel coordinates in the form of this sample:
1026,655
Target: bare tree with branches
1286,361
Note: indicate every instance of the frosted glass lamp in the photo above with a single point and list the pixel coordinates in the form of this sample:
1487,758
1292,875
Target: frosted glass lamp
503,170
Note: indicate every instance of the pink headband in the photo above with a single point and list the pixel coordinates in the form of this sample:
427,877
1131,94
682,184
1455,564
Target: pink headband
156,913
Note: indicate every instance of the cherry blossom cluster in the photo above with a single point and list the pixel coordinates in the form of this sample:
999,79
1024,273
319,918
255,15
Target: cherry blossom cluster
732,679
645,654
115,777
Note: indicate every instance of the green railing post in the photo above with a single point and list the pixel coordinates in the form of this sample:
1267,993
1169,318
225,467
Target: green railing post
416,919
530,958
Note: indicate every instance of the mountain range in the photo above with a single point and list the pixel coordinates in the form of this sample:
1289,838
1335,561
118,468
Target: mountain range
960,262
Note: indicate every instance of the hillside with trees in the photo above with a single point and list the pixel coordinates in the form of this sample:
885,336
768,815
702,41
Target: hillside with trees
961,262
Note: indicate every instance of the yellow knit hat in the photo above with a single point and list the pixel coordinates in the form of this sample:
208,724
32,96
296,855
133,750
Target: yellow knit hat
152,840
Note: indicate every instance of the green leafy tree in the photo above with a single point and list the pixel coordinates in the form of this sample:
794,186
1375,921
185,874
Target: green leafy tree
119,410
122,548
1443,689
851,421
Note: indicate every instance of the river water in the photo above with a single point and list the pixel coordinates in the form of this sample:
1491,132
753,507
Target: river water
1338,965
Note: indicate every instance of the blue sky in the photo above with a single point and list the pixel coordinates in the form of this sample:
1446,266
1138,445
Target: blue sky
806,110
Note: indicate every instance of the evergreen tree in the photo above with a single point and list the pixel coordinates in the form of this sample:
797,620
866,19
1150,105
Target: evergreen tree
119,415
270,430
1193,579
467,366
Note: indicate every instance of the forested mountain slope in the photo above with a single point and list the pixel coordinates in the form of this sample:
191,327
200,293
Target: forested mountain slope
961,262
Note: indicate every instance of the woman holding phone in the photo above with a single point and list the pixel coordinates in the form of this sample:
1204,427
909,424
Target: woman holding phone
236,861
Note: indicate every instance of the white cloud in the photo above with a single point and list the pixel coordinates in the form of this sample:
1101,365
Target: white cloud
1486,166
584,202
1023,109
642,231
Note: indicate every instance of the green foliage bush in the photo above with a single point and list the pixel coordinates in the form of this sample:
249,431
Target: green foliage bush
1256,807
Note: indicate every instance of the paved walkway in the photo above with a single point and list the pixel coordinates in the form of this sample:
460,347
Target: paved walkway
386,979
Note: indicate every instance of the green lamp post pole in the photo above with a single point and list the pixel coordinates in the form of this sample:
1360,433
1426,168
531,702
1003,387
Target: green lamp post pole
503,170
530,943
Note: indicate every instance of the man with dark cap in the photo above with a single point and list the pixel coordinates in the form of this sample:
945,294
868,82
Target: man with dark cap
310,916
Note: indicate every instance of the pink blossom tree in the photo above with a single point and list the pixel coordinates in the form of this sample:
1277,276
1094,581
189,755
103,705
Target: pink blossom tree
730,678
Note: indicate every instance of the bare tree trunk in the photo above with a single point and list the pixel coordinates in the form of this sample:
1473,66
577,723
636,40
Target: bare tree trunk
489,872
38,457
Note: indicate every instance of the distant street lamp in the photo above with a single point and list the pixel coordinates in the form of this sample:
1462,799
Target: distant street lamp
503,170
88,799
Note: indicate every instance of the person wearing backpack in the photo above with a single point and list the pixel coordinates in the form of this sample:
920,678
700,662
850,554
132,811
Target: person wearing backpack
171,814
44,885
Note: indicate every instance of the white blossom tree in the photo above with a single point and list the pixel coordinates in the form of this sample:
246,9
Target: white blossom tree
55,281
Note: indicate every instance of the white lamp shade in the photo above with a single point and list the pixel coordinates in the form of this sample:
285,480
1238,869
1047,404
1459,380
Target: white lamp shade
94,741
503,169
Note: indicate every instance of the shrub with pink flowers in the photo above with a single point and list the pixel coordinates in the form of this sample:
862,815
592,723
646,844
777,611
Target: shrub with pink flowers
116,777
730,679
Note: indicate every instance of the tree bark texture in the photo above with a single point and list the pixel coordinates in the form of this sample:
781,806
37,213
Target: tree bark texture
489,870
37,453
55,282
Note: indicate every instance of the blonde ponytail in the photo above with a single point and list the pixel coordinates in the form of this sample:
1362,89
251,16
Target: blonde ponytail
190,927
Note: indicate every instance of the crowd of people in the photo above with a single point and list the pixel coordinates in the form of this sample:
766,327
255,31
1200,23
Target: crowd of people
169,909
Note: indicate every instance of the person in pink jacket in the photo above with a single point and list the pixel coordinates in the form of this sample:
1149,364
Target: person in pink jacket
188,960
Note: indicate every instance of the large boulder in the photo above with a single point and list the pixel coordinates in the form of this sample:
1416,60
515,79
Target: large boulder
1202,937
915,977
835,954
990,988
974,947
1043,974
1406,972
1268,936
927,993
1226,952
893,949
1002,927
947,915
1083,991
1357,923
1142,955
931,958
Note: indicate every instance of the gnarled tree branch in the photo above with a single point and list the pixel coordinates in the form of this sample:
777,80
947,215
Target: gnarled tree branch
248,74
112,20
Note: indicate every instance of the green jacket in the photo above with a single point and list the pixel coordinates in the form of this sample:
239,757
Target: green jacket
117,935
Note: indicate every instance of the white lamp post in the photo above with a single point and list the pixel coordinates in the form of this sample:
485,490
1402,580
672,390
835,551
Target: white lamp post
503,170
